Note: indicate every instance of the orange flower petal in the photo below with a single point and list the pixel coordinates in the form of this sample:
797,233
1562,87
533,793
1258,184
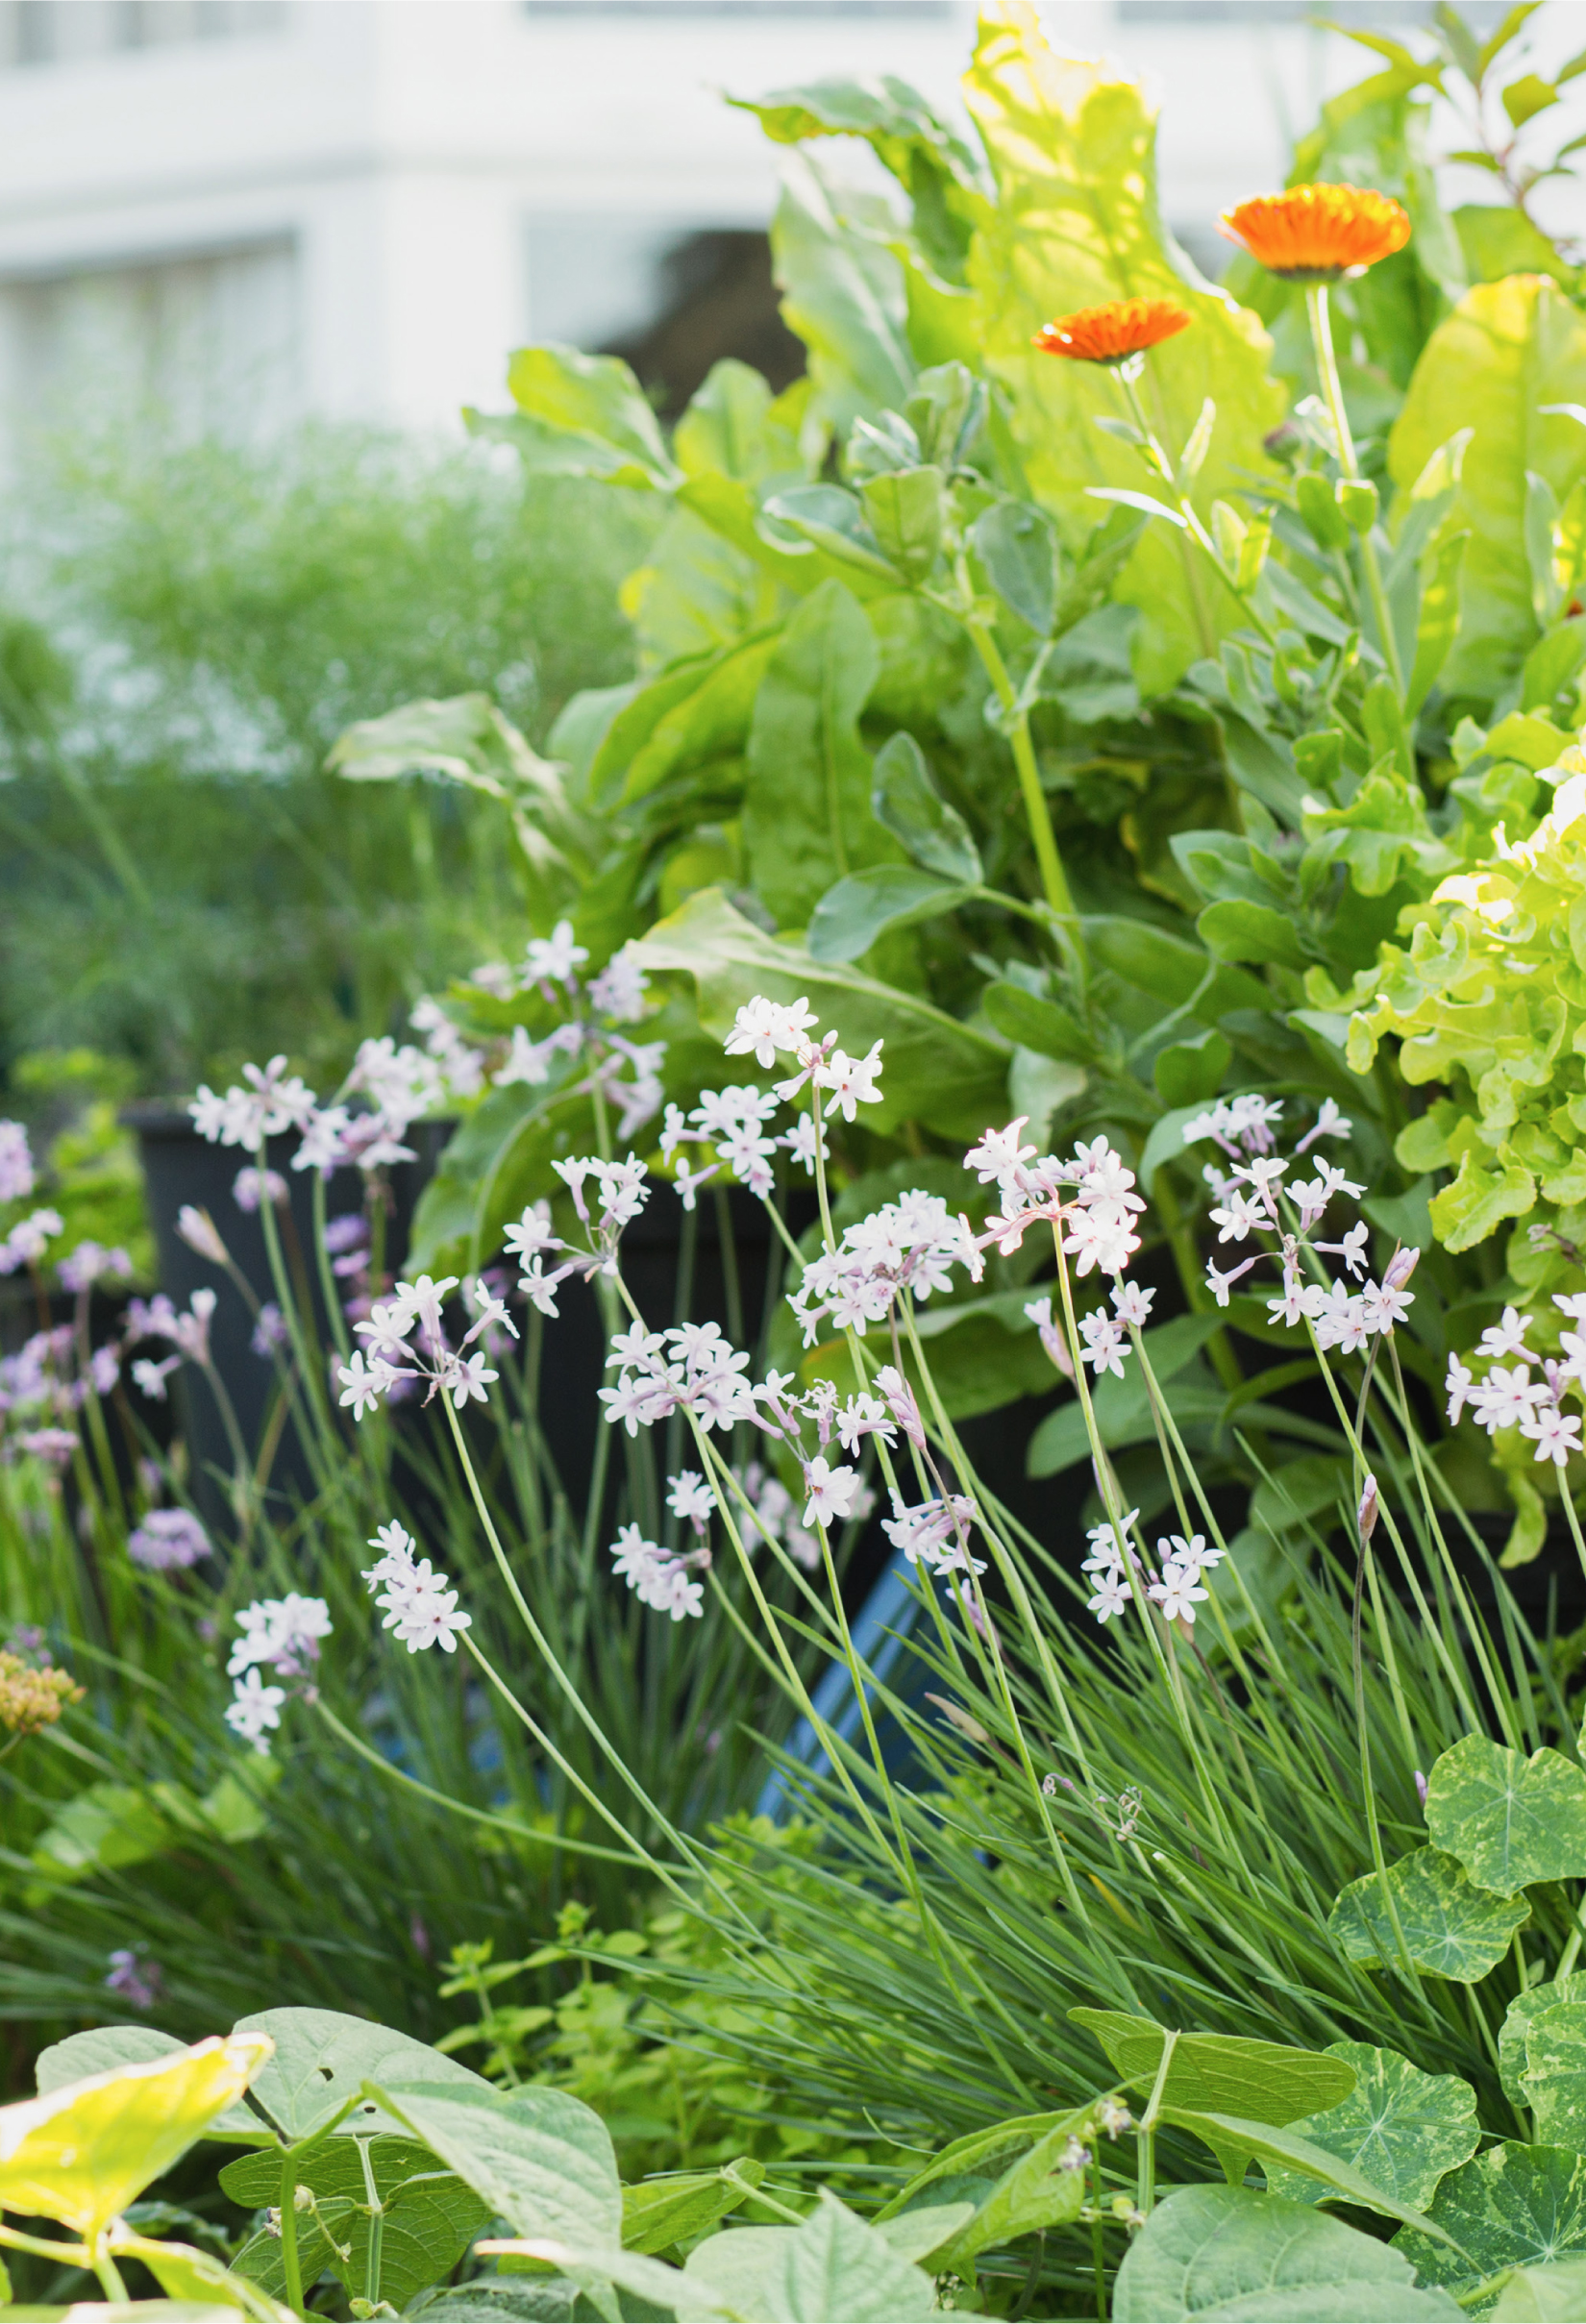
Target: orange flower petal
1318,233
1110,334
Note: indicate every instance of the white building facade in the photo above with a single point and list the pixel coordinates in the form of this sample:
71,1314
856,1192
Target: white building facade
242,210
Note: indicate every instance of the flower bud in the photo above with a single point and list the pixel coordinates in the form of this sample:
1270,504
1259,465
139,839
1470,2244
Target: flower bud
1400,1268
1421,1786
1365,1516
198,1230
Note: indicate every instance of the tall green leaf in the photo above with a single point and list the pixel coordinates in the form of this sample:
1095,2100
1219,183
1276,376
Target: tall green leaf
842,293
806,819
1507,349
1076,222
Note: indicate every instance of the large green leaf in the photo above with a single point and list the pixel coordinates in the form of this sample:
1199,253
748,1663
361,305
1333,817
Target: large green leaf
540,2158
843,293
1508,349
934,1068
851,915
583,416
1510,1821
81,2152
1544,2295
1511,2039
1076,222
660,2213
322,2059
1513,2207
1399,2128
430,2218
107,2046
1216,2252
831,2266
1451,1927
1237,2141
1554,2080
1220,2074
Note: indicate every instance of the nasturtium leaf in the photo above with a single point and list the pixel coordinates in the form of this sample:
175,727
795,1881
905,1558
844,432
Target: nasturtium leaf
1222,2252
1237,2142
431,2217
1513,2207
1510,1821
81,2152
1511,2039
1399,2128
322,2059
540,2158
1220,2074
1544,2295
660,2213
934,1068
1451,1927
1554,2080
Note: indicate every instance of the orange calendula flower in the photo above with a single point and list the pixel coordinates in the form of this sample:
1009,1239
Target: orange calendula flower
1315,233
1113,332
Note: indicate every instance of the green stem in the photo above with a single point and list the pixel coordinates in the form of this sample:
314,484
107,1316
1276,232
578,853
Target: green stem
1054,879
377,2225
290,2266
1326,365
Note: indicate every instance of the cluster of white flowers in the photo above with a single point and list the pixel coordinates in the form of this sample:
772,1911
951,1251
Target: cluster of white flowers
908,1245
732,1124
29,1239
621,1192
625,1072
658,1578
188,1331
281,1634
406,1342
1506,1397
1116,1569
688,1368
1249,1202
936,1531
418,1604
17,1170
1090,1199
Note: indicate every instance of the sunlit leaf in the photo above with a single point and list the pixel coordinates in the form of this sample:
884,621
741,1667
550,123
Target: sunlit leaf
1215,2252
1509,1820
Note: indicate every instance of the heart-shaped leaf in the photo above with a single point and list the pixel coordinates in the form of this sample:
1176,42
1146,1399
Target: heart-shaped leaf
1399,2128
430,2217
81,2152
1214,2252
107,2046
1220,2074
322,2059
1510,1821
1451,1927
832,2265
1511,2039
540,2158
1513,2207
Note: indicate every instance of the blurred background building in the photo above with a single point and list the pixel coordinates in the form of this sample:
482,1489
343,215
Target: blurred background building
240,212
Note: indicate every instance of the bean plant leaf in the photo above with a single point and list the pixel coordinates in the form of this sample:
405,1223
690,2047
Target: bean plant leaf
322,2059
1401,2129
934,1068
1554,2081
1451,1927
806,819
660,2213
1214,2252
979,2152
1510,1821
1076,223
832,2265
1508,349
1512,2206
1237,2141
1220,2074
1511,2039
1544,2295
81,2152
502,2300
431,2217
540,2158
107,2046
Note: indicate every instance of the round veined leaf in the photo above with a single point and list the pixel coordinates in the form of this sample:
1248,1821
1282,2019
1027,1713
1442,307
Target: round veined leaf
1510,1821
1452,1928
1511,2039
81,2152
1513,2207
1554,2081
540,2158
1401,2129
1211,2252
1544,2295
430,2216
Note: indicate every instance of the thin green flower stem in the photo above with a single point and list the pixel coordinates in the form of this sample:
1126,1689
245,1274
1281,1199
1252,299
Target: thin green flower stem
526,1614
1098,2242
1326,365
1053,878
1384,1632
329,1289
1367,1787
308,1365
555,1840
1005,1566
377,2225
1568,1499
1008,1565
1167,1669
287,2196
1196,530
